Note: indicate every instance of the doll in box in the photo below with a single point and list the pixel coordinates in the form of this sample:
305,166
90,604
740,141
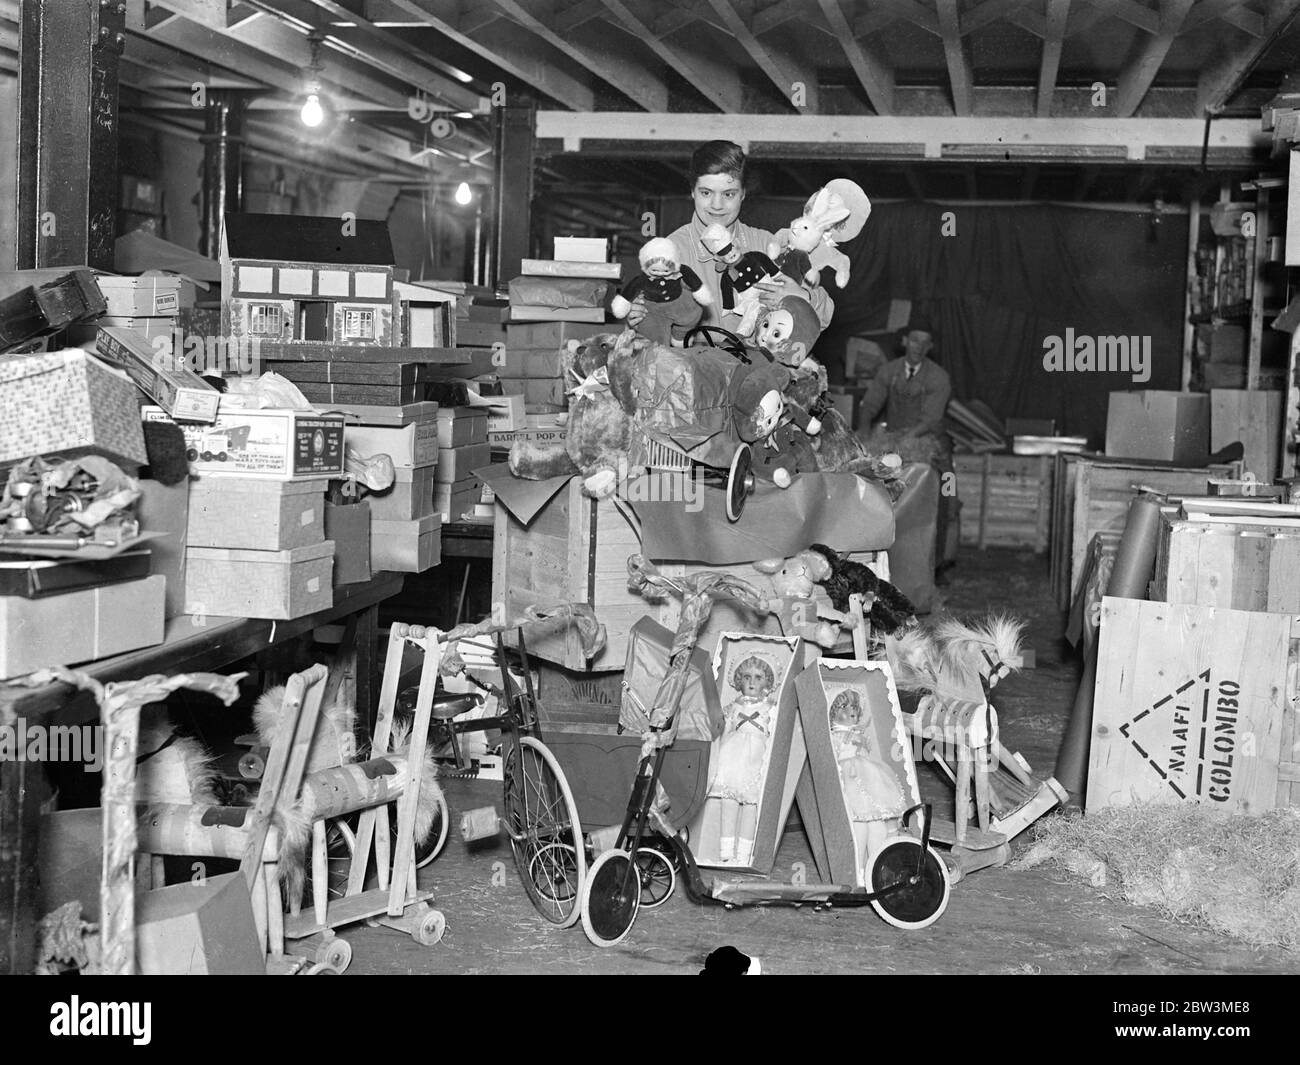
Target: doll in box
673,294
741,274
741,756
872,795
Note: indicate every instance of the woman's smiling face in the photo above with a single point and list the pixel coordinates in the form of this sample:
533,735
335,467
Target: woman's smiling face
718,198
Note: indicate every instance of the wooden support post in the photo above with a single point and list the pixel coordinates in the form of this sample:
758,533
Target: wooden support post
67,132
515,131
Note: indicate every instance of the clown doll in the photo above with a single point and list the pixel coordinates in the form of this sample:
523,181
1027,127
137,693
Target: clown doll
872,795
741,274
674,296
742,752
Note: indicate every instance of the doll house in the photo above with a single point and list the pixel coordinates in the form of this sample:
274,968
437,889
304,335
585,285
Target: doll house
291,280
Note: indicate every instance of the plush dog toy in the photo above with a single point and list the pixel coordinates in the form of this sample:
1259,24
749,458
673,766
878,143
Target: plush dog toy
888,608
673,294
833,214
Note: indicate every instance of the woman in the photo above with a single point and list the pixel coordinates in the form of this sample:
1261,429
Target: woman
717,192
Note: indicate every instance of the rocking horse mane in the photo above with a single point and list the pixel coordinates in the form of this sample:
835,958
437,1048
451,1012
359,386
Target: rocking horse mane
947,659
964,645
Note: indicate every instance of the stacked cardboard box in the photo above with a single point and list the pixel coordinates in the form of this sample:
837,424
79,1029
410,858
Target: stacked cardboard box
149,304
462,448
561,299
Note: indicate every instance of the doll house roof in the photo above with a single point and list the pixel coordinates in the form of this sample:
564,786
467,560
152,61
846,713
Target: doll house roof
295,238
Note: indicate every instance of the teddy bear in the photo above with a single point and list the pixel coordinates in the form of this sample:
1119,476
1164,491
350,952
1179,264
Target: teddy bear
833,214
741,273
795,578
673,294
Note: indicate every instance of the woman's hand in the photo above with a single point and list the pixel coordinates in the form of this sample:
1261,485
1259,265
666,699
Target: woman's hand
637,314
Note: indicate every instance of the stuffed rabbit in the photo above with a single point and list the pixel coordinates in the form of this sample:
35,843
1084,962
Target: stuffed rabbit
834,213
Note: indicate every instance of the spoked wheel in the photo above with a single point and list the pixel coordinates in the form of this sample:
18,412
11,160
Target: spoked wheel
340,845
545,832
658,877
611,898
918,879
427,849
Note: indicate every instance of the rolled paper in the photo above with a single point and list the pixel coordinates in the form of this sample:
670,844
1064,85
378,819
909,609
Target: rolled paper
479,824
1134,563
1136,558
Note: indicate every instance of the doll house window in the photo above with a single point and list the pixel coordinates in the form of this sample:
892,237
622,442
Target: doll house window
358,324
265,319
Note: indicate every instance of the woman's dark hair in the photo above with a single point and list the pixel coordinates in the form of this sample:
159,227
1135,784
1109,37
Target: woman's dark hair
718,157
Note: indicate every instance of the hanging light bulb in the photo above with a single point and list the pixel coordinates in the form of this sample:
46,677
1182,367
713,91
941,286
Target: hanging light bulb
312,114
463,193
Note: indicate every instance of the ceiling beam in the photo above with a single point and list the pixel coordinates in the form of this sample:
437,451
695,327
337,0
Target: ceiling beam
778,14
875,77
1087,139
988,12
579,14
1246,20
273,37
960,75
877,18
617,67
500,45
782,69
718,83
1221,79
1058,13
1029,21
1135,14
1207,11
1137,77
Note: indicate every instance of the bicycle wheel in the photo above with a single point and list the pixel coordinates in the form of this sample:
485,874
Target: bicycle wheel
611,898
919,895
340,845
658,878
545,833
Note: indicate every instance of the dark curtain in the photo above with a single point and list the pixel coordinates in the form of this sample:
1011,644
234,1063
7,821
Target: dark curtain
1007,278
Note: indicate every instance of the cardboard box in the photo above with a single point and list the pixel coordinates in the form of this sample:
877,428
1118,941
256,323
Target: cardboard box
505,413
203,928
147,296
348,527
282,445
453,501
1168,426
160,375
68,403
472,334
255,514
34,578
326,394
408,446
534,313
553,392
457,463
65,630
1194,704
887,754
406,546
582,249
166,508
547,334
259,584
503,441
533,362
411,496
381,414
458,426
570,268
785,657
1254,418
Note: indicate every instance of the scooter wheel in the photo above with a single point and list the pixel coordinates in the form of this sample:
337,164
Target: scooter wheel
611,898
913,884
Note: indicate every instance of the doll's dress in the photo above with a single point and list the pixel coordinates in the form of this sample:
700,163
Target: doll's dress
741,751
870,788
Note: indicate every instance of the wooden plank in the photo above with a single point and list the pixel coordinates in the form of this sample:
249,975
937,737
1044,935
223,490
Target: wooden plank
1138,76
1189,706
874,75
1058,12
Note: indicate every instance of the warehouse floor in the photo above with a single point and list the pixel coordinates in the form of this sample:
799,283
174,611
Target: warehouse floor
998,920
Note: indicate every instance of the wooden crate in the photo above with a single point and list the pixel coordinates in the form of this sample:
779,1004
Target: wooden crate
576,550
1094,497
1254,418
1006,500
1195,704
1246,567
